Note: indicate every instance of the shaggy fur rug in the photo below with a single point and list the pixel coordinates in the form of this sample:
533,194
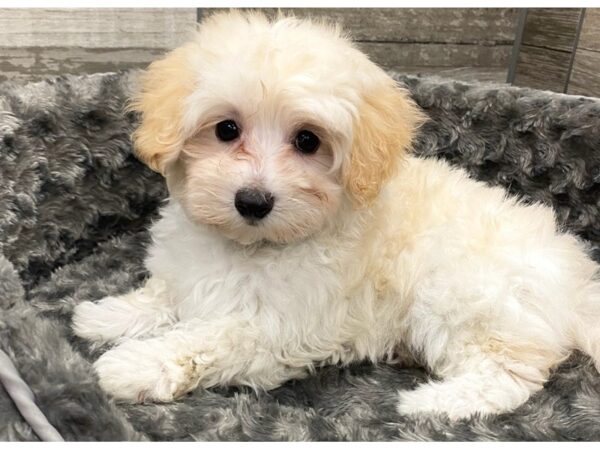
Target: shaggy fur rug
74,209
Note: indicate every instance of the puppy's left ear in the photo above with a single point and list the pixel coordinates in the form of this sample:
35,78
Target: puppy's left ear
383,133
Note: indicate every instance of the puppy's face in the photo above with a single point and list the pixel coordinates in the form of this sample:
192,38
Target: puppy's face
261,165
263,129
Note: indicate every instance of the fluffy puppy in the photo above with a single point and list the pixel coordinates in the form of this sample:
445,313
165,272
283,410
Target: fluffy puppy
299,232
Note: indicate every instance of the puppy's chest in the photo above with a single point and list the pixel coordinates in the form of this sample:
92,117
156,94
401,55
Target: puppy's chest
219,280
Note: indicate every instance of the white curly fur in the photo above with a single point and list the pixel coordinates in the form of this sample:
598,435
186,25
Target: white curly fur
484,291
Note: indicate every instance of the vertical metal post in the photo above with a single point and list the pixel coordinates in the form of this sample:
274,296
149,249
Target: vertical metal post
514,57
574,50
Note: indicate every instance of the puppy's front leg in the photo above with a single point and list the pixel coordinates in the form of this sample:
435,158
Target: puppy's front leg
134,314
222,352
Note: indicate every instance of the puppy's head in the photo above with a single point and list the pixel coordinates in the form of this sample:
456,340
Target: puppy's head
264,128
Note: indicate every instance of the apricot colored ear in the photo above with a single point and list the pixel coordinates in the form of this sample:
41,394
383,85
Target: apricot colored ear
383,133
164,85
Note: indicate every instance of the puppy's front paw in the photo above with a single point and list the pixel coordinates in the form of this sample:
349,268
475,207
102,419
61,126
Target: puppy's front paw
89,322
136,371
104,321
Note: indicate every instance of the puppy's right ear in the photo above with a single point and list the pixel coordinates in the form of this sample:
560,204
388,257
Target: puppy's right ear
164,86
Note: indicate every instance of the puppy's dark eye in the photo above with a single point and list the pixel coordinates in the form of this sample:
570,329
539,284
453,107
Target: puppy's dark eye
227,130
307,142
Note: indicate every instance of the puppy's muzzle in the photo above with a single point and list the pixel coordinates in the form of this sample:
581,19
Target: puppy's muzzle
253,204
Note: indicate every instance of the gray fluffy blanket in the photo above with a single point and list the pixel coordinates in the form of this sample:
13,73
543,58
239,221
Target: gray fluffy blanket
74,210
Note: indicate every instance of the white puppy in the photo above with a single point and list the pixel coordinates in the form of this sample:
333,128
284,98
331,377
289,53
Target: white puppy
300,233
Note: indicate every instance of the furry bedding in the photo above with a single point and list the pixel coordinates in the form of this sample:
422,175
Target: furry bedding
75,205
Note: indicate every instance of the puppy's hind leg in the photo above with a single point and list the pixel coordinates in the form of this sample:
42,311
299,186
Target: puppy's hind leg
131,315
483,386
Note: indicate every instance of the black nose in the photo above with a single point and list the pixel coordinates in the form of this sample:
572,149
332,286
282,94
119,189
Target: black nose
253,204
